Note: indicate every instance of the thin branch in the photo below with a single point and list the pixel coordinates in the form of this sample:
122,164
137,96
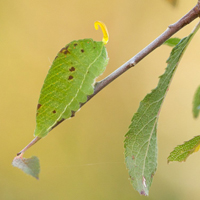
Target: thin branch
171,30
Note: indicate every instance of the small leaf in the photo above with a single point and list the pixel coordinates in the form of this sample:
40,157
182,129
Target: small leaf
141,141
196,103
172,42
30,166
181,152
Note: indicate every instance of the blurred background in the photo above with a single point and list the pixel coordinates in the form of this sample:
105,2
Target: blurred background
83,158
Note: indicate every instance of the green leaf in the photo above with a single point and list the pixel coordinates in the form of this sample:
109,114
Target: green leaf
69,81
141,141
172,42
196,103
30,166
182,152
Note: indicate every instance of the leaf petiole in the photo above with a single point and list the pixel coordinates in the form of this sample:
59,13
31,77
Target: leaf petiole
36,139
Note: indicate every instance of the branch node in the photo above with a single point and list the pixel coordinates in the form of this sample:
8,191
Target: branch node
132,64
171,26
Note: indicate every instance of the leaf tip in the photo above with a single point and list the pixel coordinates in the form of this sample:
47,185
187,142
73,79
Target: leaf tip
143,193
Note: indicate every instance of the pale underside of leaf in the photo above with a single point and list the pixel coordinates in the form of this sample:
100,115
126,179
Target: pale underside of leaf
141,141
30,166
181,152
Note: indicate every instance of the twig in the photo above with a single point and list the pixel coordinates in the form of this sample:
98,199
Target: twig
171,30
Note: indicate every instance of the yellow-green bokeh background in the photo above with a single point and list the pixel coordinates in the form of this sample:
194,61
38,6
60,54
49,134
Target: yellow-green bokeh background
83,158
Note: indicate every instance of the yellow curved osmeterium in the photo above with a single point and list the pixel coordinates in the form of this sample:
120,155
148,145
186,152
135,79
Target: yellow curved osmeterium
104,30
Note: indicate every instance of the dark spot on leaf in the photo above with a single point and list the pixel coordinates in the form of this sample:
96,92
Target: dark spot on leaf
75,44
73,113
65,50
94,47
82,50
152,175
72,69
54,111
38,106
60,121
70,77
143,193
55,57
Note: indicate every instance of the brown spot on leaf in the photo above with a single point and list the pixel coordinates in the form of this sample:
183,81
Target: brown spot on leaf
55,57
131,177
82,50
38,106
133,157
143,193
72,69
54,111
73,113
75,44
58,122
70,77
65,50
